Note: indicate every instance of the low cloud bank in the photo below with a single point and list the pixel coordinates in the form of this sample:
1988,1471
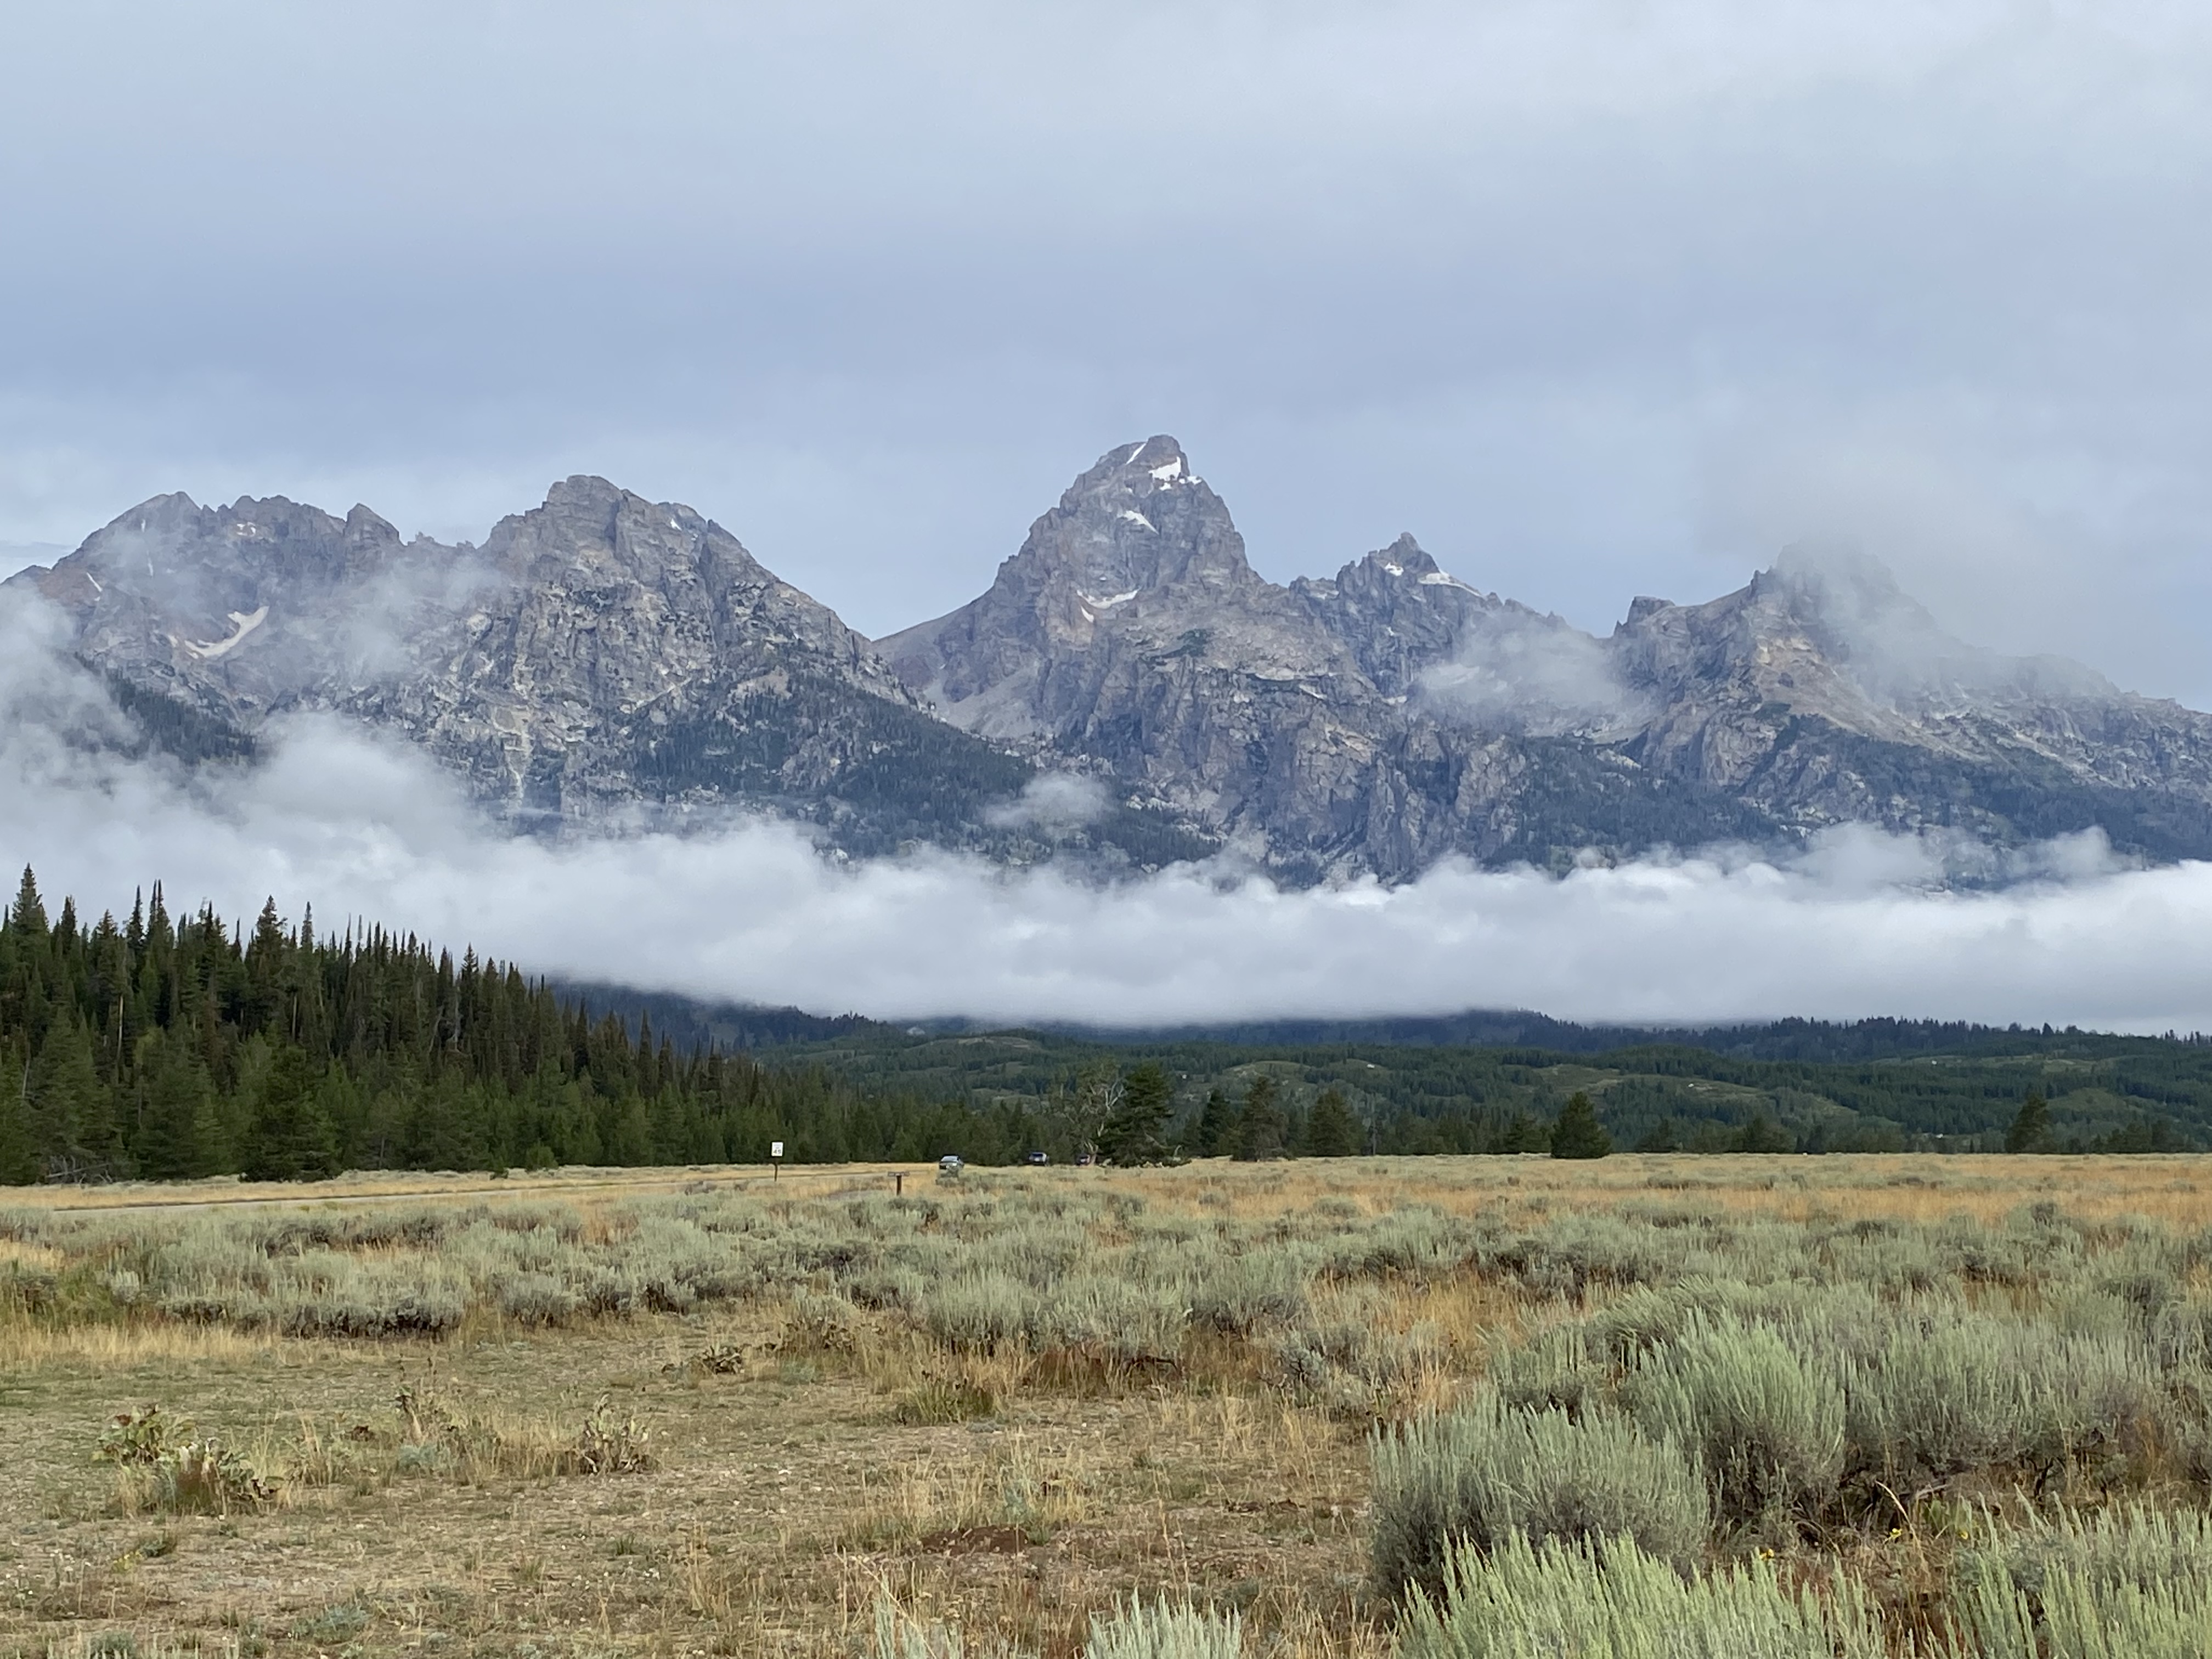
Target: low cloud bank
362,826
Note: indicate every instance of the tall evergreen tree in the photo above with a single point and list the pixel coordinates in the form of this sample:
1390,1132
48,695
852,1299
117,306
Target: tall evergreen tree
1259,1126
19,1162
1331,1129
1577,1133
1761,1134
1216,1133
28,914
1132,1134
289,1137
2031,1126
180,1136
72,1129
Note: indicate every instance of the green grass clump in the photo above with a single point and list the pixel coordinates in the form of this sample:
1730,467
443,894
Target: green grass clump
1137,1630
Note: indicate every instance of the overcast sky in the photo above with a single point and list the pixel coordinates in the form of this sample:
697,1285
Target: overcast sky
1596,298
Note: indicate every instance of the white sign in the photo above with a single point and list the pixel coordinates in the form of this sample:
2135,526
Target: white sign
776,1149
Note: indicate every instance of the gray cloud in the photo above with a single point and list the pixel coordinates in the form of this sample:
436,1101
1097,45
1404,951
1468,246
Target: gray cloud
1598,298
362,826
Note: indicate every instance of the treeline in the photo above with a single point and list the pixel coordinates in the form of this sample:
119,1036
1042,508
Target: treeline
2106,1093
171,1048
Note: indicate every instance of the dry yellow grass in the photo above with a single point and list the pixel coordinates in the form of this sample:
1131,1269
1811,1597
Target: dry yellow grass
394,1186
797,1485
26,1346
2175,1189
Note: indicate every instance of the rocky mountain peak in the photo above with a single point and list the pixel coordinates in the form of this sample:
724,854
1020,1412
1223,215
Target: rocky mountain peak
1398,611
584,518
1140,519
369,534
1138,539
1839,611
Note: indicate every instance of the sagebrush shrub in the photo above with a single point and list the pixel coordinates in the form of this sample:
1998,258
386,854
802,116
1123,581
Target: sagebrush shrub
1608,1599
1165,1630
2130,1544
1767,1427
1489,1473
2128,1583
1975,1392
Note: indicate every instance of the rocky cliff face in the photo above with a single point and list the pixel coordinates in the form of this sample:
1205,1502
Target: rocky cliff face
1130,635
603,656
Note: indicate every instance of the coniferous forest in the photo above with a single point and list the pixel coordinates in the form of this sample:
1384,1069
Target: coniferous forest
169,1047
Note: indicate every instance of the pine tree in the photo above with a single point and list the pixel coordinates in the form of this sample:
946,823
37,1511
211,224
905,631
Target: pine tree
1132,1134
289,1137
1216,1126
1577,1133
28,913
1660,1137
19,1162
71,1128
1331,1129
1519,1133
1761,1135
179,1137
1259,1127
2031,1128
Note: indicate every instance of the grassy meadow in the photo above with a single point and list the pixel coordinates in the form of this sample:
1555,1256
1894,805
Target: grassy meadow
1650,1405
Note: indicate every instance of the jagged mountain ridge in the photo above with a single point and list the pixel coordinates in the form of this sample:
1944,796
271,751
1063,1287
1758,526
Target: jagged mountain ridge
1393,713
1130,633
602,655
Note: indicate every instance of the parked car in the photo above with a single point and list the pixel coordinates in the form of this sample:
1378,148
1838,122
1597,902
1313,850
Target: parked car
1040,1158
950,1164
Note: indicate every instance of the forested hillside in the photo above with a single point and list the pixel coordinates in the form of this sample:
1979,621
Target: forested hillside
169,1047
2106,1093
